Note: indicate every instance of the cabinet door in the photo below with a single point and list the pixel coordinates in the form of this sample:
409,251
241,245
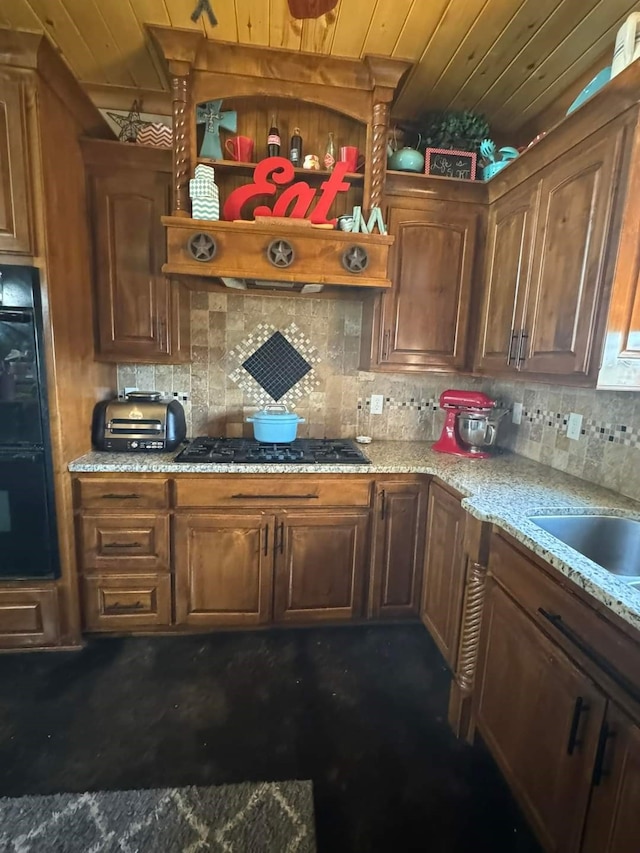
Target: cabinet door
15,212
444,572
224,568
620,368
540,717
613,822
135,300
507,275
320,566
570,254
398,550
425,317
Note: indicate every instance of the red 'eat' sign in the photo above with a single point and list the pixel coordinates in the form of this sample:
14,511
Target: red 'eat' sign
296,201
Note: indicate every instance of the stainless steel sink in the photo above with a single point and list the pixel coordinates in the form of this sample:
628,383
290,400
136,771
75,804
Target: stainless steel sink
611,541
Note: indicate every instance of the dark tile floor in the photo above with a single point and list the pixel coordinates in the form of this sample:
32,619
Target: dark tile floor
359,710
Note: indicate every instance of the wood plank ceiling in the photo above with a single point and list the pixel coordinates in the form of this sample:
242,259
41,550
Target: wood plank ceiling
509,59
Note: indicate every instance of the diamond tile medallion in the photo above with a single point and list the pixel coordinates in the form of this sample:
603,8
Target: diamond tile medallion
277,366
274,365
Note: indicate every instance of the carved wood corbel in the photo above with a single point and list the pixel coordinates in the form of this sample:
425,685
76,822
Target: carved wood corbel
181,159
374,191
462,687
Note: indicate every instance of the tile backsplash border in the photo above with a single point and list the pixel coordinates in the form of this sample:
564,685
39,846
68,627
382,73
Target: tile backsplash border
607,453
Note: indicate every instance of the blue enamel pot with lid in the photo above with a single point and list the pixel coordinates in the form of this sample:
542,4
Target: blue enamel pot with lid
275,425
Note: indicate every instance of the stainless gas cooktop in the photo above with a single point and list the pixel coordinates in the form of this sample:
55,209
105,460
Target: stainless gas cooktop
244,451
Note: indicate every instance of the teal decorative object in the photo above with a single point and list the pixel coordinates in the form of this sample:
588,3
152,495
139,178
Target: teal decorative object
492,165
210,114
406,160
601,79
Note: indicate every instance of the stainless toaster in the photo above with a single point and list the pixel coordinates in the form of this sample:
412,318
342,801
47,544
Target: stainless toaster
142,421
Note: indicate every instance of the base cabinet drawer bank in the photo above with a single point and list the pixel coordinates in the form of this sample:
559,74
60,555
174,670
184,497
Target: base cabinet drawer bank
218,551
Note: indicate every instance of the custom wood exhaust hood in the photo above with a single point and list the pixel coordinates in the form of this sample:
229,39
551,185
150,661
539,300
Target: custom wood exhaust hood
317,93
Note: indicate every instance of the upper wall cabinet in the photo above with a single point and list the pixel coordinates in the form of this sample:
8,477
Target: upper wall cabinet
15,211
142,315
422,323
512,222
620,367
546,271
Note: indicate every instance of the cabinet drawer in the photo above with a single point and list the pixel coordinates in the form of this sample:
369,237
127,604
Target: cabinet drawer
271,492
121,493
565,617
28,617
124,543
121,603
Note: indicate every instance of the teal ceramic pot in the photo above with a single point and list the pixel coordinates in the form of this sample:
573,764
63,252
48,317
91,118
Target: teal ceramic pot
275,425
406,160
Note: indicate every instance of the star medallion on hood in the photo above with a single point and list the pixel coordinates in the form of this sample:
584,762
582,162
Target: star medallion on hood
280,253
355,259
202,247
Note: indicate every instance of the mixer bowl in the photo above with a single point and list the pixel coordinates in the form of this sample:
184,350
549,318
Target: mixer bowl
477,430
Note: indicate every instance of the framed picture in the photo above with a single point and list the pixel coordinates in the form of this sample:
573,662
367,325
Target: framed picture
444,163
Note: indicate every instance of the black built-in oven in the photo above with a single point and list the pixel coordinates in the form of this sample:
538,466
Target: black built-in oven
27,534
28,541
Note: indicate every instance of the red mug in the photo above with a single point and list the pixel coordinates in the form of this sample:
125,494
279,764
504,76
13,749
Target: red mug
240,148
349,155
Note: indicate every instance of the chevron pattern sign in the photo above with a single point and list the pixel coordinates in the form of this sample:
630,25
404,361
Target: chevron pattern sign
156,134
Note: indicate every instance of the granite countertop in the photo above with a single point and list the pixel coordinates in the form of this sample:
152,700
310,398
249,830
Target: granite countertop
504,490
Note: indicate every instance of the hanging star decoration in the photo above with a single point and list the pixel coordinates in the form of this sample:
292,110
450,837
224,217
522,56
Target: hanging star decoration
210,114
130,124
204,6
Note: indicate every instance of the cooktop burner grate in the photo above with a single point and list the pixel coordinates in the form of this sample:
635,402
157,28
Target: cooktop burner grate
245,451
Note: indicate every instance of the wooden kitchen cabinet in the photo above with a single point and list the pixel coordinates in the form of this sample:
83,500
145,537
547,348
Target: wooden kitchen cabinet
540,717
548,266
249,568
320,565
577,197
508,260
224,568
15,206
422,323
397,549
557,700
620,367
143,316
123,547
444,571
613,821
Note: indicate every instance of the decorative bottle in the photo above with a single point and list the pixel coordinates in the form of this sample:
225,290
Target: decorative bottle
273,140
295,150
329,160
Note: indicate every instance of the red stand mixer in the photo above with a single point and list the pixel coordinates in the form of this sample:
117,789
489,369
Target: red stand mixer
471,423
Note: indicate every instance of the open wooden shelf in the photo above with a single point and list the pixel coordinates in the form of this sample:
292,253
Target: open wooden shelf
232,166
420,175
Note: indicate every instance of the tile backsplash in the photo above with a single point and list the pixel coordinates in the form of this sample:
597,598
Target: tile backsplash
320,341
608,449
